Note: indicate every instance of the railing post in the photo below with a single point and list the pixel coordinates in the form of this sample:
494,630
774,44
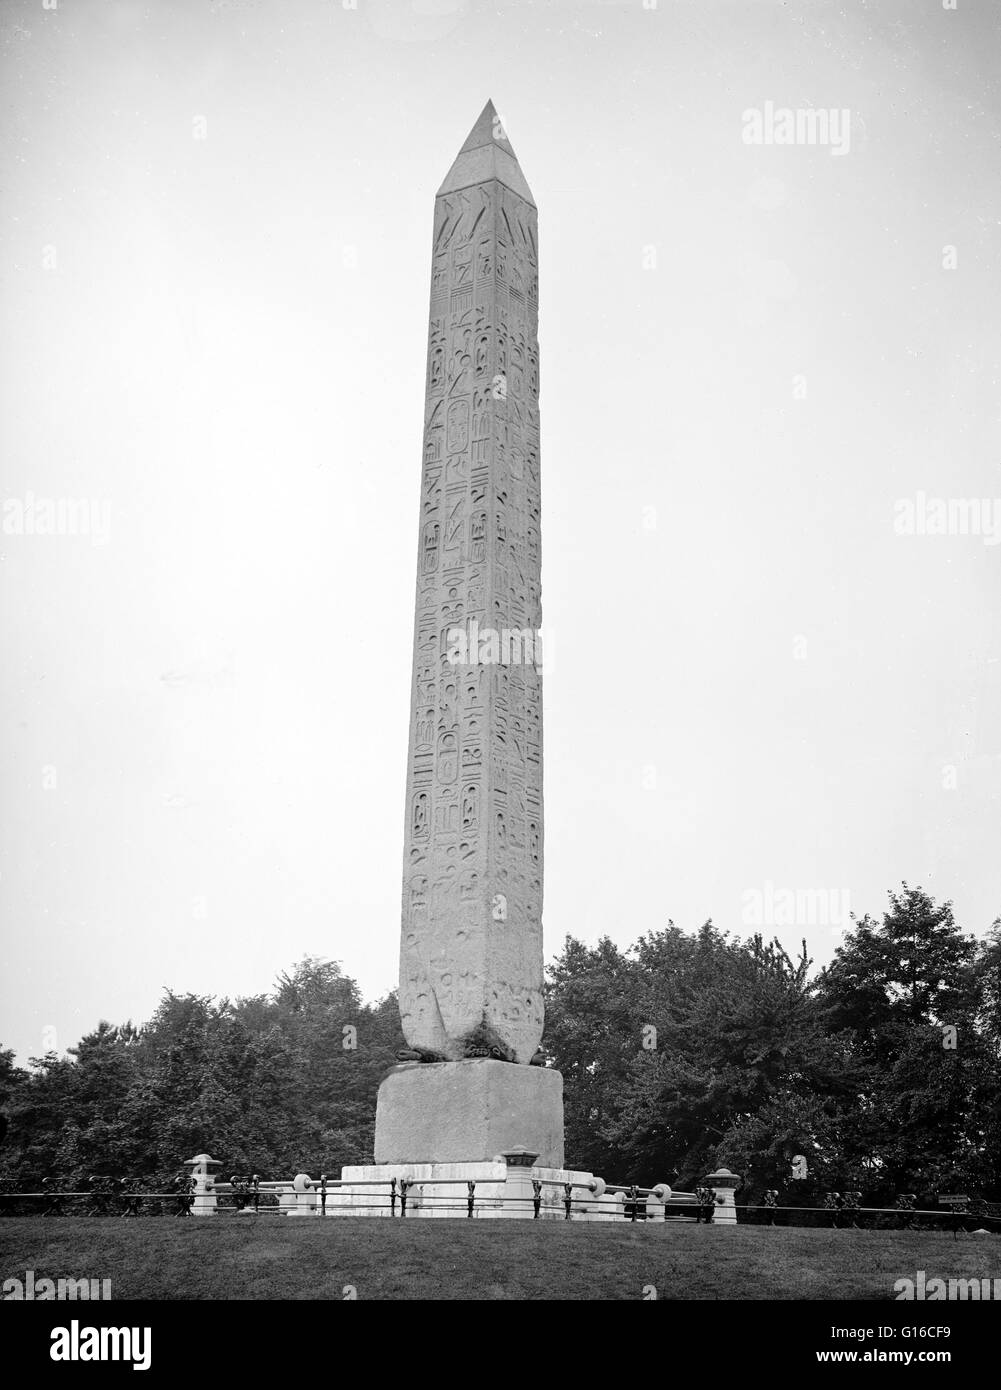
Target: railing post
392,1196
723,1184
662,1193
657,1196
303,1203
518,1196
205,1200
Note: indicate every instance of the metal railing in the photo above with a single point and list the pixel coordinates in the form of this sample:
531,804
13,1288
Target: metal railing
104,1195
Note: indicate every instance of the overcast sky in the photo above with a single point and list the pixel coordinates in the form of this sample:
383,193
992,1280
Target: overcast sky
755,356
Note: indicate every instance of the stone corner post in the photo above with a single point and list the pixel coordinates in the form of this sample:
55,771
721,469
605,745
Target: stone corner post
723,1184
202,1170
518,1191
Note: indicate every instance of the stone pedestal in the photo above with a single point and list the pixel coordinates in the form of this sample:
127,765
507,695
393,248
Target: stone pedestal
202,1167
303,1200
724,1184
501,1190
468,1112
657,1200
518,1187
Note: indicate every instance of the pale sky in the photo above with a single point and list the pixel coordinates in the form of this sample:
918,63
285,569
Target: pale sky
216,224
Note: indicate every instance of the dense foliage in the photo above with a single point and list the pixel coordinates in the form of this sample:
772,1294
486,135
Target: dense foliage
272,1084
678,1054
884,1070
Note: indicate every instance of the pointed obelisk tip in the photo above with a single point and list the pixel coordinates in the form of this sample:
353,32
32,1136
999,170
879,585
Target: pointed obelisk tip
482,157
488,130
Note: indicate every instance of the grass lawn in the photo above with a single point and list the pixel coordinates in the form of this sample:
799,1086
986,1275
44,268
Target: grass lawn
306,1258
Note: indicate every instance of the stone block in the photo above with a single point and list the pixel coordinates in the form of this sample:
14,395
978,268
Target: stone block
469,1111
439,1190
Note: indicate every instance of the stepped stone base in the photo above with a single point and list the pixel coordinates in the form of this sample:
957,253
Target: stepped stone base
468,1112
440,1189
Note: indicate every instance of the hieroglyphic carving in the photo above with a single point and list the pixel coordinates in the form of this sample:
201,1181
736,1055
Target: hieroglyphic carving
471,943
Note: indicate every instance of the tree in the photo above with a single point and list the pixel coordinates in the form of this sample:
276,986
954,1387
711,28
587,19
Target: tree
591,1036
912,995
683,1052
273,1084
667,1049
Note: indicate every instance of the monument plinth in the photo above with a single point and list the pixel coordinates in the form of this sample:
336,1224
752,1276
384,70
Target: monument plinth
466,1112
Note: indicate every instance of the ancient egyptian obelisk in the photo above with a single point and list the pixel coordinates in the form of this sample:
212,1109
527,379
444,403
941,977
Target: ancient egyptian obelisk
471,958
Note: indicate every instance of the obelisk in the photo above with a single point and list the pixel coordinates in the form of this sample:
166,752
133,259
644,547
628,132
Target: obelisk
471,962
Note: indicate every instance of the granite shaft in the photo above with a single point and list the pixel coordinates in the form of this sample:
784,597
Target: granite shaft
471,963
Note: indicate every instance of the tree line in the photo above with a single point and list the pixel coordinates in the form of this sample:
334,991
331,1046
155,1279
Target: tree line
682,1053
